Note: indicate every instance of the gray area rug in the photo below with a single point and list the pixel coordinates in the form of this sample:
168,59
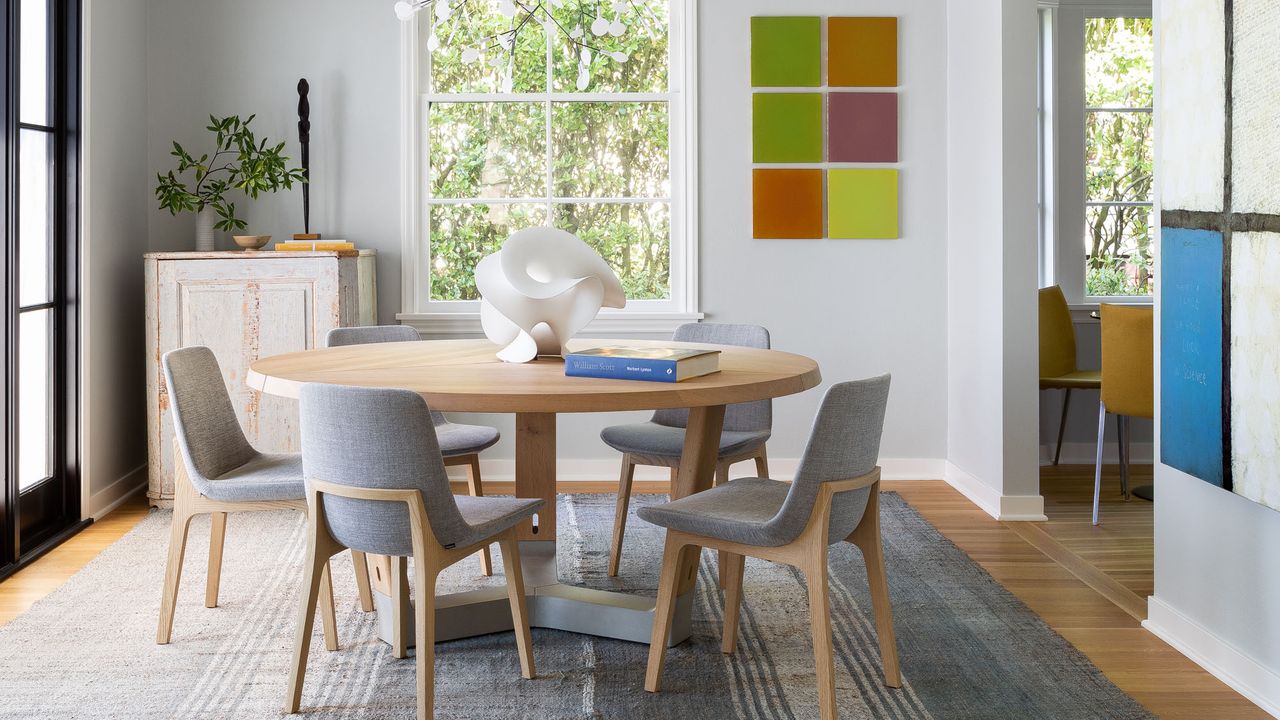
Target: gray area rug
969,648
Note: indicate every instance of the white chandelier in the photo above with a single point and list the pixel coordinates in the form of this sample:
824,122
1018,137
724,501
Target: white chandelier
521,13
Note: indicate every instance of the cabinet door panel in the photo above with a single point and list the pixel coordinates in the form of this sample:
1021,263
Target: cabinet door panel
243,309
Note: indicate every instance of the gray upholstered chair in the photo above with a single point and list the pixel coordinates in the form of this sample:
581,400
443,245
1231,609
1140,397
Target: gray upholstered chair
835,496
217,471
376,483
460,444
660,441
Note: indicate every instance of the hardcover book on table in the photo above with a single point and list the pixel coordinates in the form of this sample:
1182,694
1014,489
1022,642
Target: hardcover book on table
642,363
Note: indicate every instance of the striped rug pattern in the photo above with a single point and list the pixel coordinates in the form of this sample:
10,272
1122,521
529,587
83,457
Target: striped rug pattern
969,649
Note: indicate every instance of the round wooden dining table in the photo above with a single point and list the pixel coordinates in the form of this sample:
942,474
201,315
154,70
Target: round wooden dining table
466,375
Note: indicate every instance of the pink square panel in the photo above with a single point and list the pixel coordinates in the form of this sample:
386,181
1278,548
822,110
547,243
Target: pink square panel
862,127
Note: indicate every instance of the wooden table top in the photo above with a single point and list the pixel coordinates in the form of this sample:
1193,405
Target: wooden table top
466,375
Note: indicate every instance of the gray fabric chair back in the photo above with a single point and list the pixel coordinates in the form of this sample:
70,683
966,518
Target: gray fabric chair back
204,421
368,335
376,438
743,417
844,444
339,337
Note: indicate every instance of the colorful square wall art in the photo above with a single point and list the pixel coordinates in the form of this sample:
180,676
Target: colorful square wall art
1191,352
786,204
787,127
817,130
786,51
862,127
862,51
862,204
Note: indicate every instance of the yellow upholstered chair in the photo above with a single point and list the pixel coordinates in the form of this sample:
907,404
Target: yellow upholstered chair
1128,382
1058,355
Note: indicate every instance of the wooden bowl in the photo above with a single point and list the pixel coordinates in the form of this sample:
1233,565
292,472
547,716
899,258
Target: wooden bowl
251,242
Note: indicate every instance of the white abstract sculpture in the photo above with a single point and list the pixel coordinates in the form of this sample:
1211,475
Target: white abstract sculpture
541,288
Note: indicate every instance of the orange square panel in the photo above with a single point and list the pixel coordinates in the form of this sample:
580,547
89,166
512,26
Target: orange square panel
862,52
786,204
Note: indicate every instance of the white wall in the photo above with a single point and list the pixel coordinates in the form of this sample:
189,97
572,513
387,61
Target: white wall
244,57
114,237
991,255
858,307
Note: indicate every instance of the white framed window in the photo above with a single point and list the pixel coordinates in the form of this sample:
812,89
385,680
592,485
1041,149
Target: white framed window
1097,160
547,133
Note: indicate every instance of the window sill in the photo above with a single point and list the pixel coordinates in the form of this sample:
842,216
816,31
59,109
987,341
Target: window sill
455,324
1083,312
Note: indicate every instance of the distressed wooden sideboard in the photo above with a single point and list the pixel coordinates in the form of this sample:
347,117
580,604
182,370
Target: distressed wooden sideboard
245,306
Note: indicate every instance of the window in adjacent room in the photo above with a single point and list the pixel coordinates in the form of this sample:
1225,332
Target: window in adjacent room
1118,212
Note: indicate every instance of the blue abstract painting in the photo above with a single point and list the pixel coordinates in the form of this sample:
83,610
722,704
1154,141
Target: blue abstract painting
1191,427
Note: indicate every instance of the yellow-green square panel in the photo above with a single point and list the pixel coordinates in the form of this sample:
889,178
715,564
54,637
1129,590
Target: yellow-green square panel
786,51
862,204
787,127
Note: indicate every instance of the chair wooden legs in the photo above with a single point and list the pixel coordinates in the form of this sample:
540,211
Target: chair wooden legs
173,567
361,565
519,608
328,618
315,579
762,464
820,627
662,612
400,607
425,636
867,537
476,489
731,575
217,536
620,512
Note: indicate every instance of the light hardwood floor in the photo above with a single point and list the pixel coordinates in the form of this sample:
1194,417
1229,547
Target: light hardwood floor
1142,665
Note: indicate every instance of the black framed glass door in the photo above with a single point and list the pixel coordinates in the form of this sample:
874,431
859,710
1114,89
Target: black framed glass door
40,503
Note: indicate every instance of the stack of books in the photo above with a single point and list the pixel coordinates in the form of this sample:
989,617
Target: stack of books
636,363
316,246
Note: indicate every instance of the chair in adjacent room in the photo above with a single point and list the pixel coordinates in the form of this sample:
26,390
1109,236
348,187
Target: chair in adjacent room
1058,355
216,472
376,483
835,497
1128,382
460,444
660,440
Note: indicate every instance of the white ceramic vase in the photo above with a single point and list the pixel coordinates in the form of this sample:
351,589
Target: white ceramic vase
204,230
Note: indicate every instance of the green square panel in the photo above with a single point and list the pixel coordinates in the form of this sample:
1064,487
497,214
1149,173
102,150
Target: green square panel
787,128
862,204
786,51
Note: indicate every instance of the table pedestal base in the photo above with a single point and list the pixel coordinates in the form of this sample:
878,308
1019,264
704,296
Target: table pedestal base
552,604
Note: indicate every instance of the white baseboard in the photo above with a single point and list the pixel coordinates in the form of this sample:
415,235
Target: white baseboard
1087,453
115,494
603,469
1258,683
991,501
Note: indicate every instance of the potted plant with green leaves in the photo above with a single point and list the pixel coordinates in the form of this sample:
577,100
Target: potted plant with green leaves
239,161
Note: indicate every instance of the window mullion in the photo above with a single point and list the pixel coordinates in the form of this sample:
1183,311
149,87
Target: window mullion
546,147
